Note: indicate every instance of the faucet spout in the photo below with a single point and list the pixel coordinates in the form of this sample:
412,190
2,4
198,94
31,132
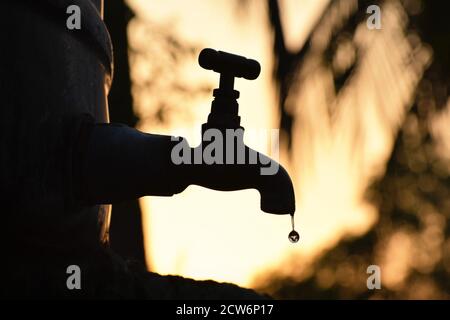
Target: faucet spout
118,163
277,193
265,175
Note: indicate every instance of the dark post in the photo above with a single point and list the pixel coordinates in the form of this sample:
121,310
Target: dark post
126,235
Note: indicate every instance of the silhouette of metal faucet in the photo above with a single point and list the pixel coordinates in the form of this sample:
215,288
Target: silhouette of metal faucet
60,159
109,149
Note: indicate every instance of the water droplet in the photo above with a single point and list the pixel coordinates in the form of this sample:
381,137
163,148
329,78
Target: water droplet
293,236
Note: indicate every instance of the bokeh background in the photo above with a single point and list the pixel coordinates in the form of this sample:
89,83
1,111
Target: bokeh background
363,116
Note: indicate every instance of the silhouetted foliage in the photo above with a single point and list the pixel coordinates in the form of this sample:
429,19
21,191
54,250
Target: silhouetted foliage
411,239
160,94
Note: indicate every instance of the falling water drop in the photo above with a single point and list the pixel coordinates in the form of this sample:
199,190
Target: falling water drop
293,235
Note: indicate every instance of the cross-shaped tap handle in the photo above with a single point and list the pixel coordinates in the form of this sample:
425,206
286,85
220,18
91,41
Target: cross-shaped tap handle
229,66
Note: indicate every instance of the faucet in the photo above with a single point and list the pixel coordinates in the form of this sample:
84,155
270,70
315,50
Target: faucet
116,162
60,164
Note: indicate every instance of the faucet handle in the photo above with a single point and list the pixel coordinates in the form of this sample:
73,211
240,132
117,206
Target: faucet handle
230,64
224,109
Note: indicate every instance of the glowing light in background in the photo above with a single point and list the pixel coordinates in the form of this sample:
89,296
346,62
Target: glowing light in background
206,234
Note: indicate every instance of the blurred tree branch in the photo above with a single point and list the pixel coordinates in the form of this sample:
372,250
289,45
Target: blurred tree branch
286,64
159,91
